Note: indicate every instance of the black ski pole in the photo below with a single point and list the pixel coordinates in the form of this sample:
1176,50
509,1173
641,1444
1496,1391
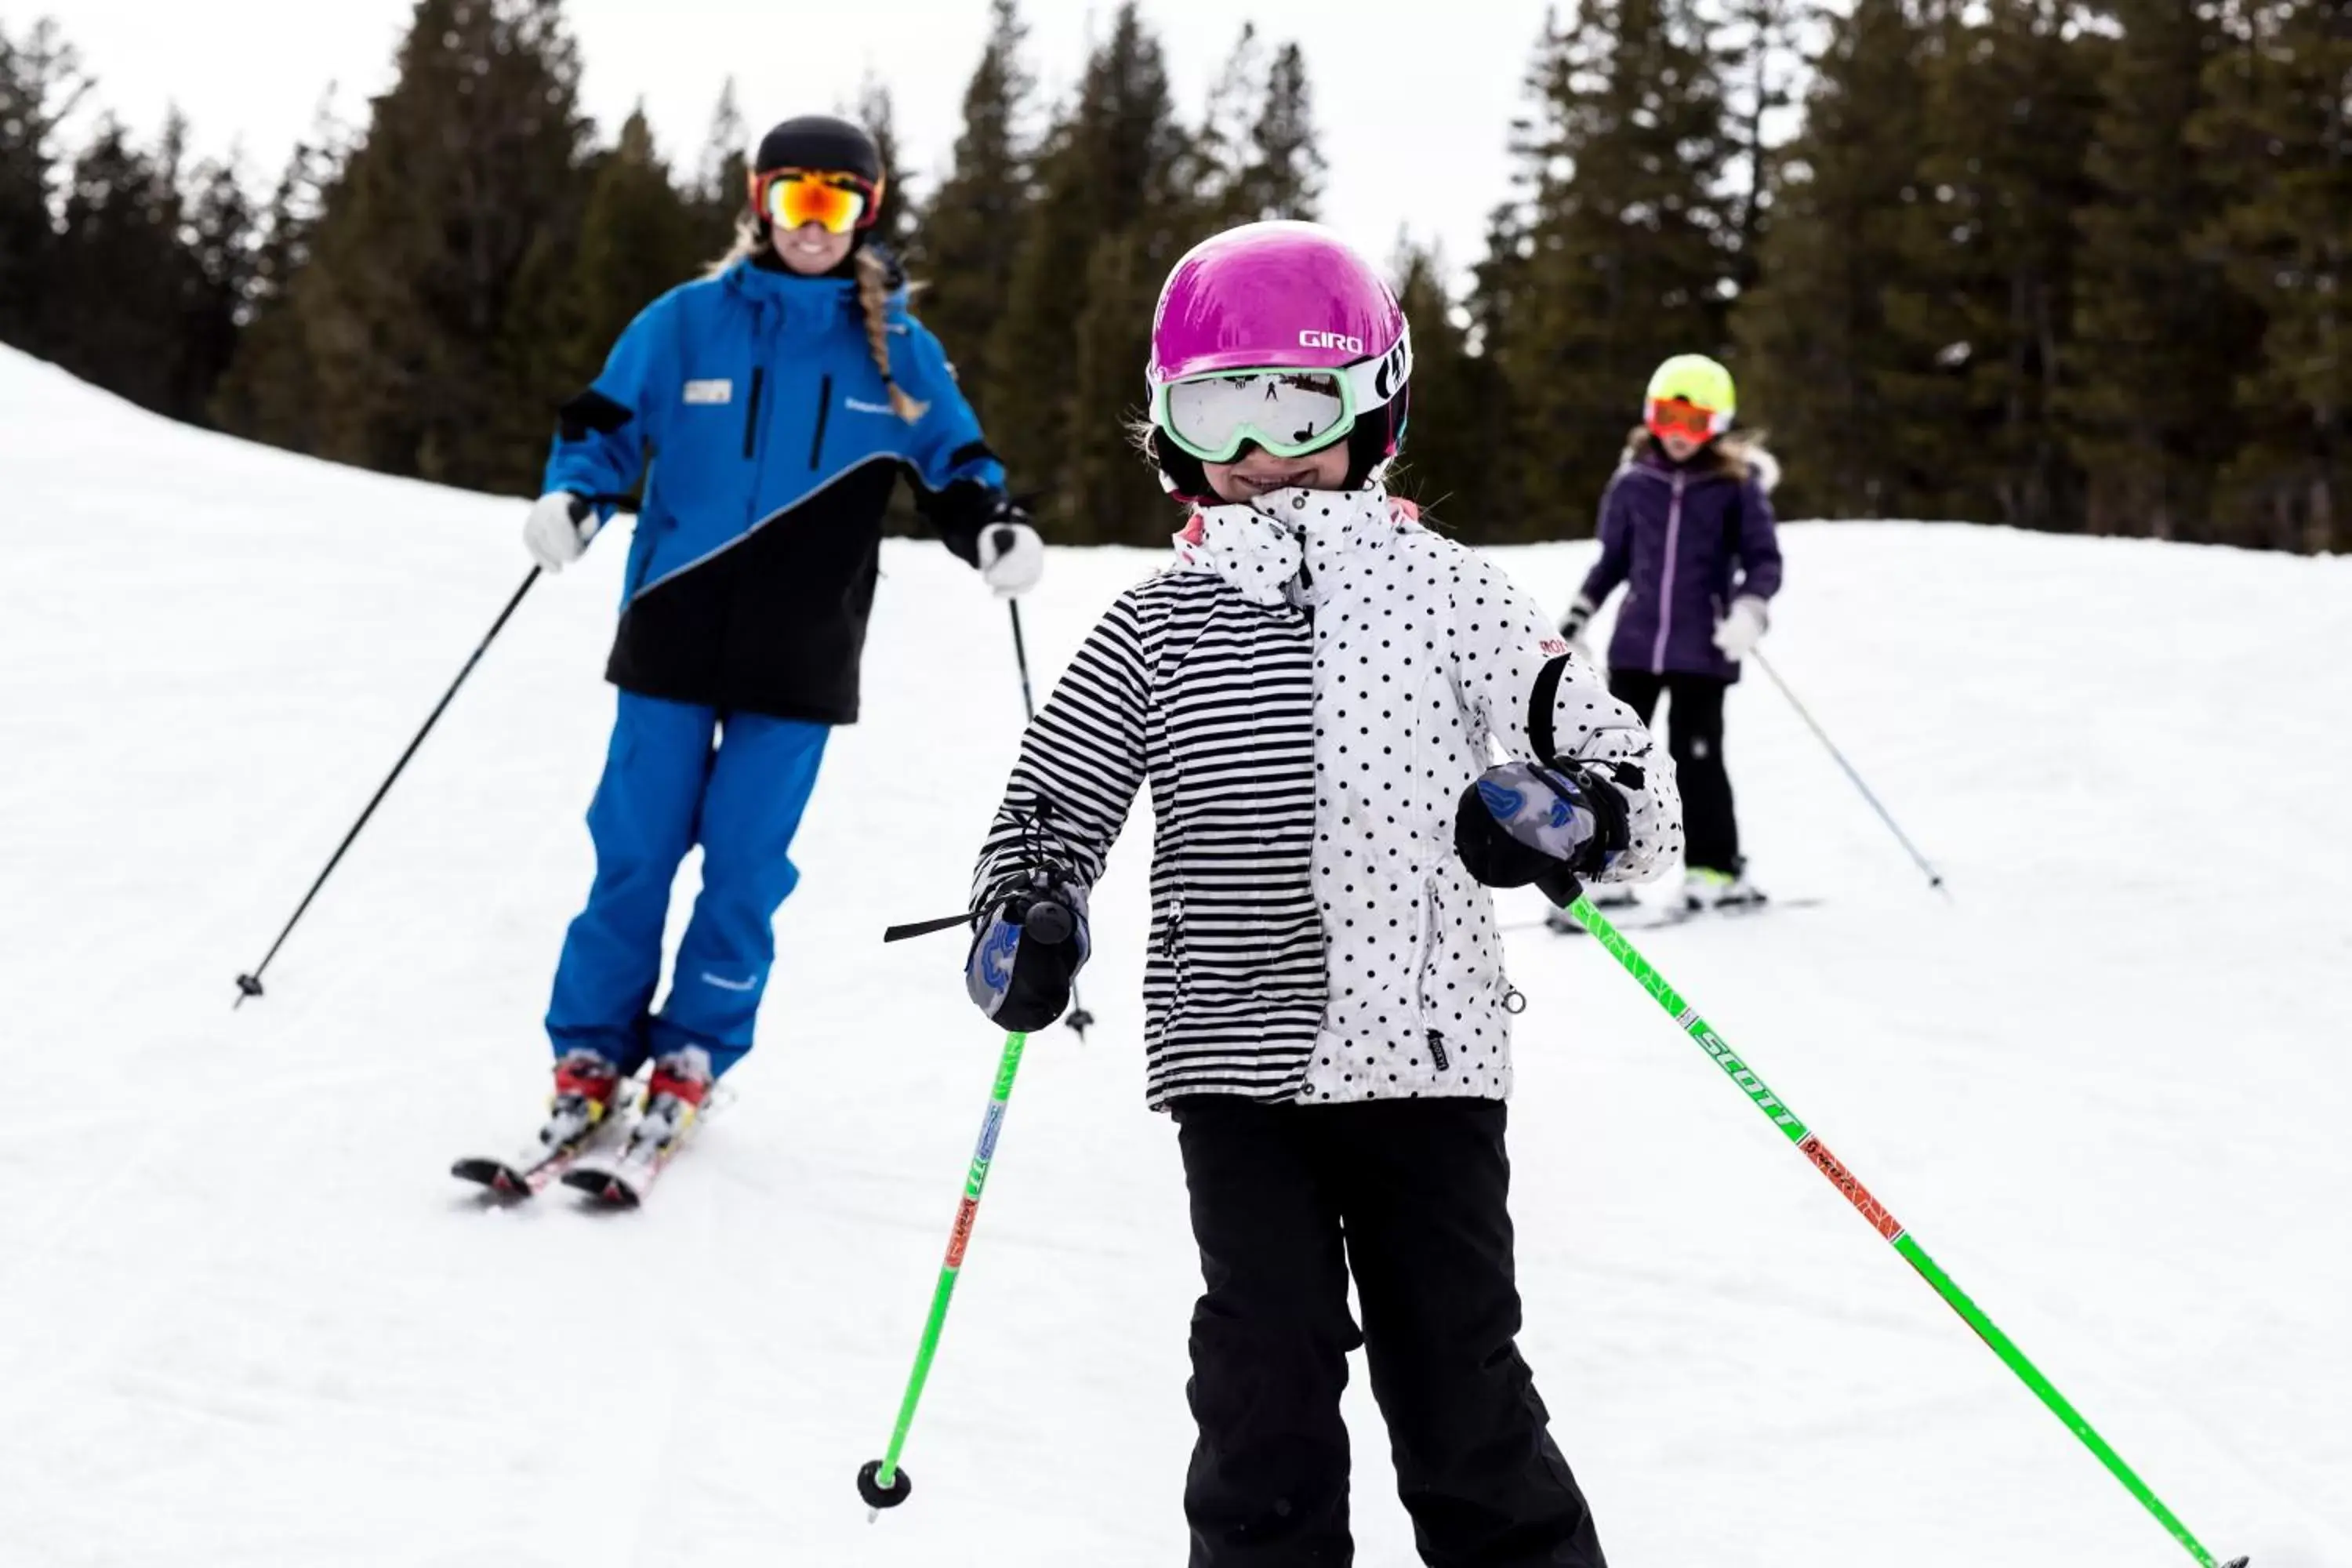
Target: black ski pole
250,984
1079,1019
1021,657
1934,878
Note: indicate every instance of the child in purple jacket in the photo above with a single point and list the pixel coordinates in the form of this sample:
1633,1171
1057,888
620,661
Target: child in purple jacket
1686,524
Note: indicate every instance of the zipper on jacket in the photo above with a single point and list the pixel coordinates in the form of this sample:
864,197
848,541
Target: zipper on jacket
751,413
652,541
1431,920
638,578
824,412
1179,977
1437,1051
1666,589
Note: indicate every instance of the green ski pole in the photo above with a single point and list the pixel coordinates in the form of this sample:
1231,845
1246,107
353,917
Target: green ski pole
1810,1144
880,1481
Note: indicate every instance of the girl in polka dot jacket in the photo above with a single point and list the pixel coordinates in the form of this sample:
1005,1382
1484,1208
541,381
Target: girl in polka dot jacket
1314,690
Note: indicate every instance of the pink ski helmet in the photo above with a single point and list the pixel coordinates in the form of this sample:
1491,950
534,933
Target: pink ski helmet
1282,296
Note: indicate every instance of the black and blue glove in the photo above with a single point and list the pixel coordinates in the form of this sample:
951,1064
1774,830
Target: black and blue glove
1547,824
1031,944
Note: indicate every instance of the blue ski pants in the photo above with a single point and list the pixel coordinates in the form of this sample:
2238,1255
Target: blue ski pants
677,776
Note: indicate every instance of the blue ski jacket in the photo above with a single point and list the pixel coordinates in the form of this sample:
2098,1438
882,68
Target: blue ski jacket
751,405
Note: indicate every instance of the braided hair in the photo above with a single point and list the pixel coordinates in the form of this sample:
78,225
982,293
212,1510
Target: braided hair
874,301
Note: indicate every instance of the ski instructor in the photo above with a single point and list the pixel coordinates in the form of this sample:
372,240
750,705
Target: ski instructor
769,407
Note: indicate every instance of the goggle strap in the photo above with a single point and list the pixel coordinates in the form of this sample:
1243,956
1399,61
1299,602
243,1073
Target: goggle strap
1377,381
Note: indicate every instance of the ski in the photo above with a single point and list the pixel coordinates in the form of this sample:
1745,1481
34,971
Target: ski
624,1180
621,1182
531,1172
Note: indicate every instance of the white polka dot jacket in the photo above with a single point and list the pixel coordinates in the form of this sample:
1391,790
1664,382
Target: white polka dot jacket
1308,689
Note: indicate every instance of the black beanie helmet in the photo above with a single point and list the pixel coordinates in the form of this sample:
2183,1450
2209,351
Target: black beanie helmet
820,142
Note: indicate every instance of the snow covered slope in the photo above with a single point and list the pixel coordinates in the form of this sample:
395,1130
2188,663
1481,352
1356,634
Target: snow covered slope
246,1318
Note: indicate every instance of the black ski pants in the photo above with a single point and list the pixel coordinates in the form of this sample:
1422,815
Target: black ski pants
1695,741
1409,1194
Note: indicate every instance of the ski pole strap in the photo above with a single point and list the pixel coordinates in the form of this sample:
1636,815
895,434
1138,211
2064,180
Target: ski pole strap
925,928
1880,1219
1540,739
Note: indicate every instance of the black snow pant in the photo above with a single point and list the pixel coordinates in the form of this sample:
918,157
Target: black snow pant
1695,741
1411,1195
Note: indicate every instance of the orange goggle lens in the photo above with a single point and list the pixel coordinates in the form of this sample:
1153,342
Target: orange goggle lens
1674,416
791,198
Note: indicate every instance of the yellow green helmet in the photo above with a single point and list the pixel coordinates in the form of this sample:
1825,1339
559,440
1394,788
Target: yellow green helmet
1699,384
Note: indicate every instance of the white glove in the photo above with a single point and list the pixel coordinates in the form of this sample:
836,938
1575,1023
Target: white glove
552,533
1741,625
1011,558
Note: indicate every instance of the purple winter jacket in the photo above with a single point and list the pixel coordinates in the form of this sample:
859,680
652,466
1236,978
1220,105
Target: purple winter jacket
1687,539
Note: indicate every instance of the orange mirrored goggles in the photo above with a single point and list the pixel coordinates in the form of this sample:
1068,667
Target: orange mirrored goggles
837,203
1676,416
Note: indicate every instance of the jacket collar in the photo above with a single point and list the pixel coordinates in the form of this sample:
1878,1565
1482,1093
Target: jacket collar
1285,548
795,300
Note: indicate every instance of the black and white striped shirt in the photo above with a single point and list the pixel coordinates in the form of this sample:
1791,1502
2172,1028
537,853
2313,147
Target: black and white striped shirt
1309,689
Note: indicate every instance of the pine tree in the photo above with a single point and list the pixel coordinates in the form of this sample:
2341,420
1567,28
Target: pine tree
639,237
1219,149
220,243
1984,305
880,117
1759,64
576,291
1501,319
1068,350
1282,175
2279,131
1628,255
1109,498
2157,325
471,160
722,177
1815,351
1447,463
111,315
269,391
41,84
970,232
1254,154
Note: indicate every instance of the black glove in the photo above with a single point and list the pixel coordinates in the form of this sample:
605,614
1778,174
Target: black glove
1579,616
1526,822
961,508
1031,943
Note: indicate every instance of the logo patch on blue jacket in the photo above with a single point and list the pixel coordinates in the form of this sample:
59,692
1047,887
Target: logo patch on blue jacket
717,390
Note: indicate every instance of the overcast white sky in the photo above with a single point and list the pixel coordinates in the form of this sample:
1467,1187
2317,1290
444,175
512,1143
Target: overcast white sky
1413,98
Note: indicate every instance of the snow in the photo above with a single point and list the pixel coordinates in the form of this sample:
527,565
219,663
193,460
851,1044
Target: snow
246,1316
